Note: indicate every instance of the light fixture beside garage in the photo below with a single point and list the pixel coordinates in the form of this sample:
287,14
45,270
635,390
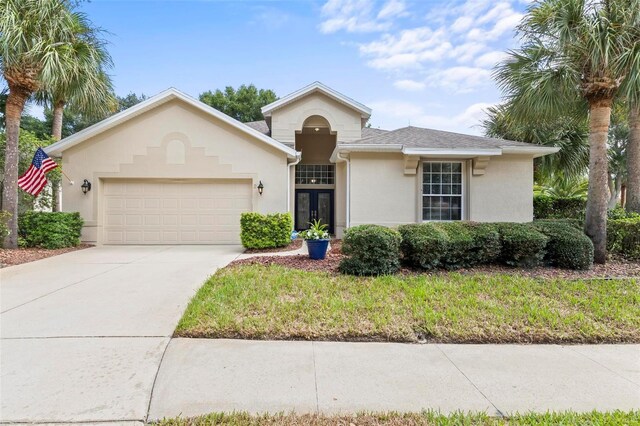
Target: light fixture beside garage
86,186
260,187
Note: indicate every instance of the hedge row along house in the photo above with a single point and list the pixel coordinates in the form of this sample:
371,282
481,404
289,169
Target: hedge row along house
172,170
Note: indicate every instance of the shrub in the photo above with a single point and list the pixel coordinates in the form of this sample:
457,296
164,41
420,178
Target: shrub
258,231
568,247
486,246
4,229
459,245
423,244
50,230
522,244
623,237
574,223
548,207
371,250
620,213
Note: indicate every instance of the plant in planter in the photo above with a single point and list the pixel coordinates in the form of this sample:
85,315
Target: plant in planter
317,238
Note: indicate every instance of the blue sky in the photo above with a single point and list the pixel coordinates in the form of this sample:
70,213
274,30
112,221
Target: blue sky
427,63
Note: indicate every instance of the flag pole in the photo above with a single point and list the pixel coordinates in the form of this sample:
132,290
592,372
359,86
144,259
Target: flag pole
65,175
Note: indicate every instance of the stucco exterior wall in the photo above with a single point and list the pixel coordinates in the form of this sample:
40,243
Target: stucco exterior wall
316,149
380,191
382,194
287,120
174,141
505,192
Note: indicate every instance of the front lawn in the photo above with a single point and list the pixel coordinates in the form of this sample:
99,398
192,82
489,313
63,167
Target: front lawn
397,419
274,302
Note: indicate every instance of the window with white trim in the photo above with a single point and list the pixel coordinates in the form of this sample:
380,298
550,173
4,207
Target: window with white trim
315,174
442,190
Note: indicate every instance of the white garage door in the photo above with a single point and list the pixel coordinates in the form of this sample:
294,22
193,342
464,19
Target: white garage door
165,212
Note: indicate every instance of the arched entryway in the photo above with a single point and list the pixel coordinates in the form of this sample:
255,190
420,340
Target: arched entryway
315,175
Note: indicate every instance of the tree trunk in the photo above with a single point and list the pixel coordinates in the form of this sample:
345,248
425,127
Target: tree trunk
633,161
596,218
15,105
56,133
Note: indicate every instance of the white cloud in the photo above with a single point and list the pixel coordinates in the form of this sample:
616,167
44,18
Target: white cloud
468,121
460,79
396,109
359,16
490,59
409,85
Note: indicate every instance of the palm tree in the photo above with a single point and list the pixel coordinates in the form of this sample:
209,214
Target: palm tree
633,161
86,88
562,186
38,47
573,53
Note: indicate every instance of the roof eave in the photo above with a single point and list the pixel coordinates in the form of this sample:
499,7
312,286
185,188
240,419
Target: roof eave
536,151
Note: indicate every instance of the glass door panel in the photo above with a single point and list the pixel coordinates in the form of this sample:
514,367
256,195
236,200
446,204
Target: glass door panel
303,210
325,209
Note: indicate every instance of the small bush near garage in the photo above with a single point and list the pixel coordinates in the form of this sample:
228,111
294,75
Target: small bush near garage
623,237
4,229
370,250
568,247
423,244
259,231
522,245
50,230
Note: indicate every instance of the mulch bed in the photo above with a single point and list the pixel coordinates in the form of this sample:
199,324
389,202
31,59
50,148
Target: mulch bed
294,245
10,257
614,268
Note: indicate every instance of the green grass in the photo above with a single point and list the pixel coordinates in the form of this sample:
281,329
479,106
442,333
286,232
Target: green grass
594,418
273,302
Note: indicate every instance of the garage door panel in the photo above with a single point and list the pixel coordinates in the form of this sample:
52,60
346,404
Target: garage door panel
174,213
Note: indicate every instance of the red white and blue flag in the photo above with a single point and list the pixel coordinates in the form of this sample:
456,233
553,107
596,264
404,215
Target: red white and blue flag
33,180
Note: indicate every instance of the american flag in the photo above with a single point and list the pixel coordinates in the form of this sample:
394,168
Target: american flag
33,180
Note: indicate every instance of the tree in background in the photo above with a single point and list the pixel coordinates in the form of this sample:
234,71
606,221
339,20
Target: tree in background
38,47
576,53
243,104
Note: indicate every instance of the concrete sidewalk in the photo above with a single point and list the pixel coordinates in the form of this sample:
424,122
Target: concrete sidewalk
199,376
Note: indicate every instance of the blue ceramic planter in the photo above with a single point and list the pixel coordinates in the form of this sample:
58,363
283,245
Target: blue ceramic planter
317,249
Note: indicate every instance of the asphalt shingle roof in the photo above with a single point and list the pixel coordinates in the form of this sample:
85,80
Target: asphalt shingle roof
418,137
260,126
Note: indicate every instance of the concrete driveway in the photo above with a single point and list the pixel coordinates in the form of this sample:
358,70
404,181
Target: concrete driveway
83,333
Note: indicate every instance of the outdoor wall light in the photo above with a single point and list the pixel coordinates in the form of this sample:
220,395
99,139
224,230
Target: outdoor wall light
260,188
86,186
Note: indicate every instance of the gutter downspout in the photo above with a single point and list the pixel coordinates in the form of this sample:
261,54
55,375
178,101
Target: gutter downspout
348,190
297,160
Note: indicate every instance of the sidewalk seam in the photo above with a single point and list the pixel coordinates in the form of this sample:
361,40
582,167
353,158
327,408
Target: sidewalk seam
500,413
315,375
601,365
155,378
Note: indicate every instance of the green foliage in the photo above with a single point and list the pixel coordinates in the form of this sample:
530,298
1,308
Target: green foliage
568,247
548,207
50,230
258,231
620,213
423,244
486,246
243,104
317,231
623,237
4,229
522,245
459,245
371,250
574,223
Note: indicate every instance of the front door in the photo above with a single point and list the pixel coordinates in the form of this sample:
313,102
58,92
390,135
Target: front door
314,204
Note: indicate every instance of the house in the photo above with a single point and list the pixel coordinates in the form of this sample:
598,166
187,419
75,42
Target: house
172,170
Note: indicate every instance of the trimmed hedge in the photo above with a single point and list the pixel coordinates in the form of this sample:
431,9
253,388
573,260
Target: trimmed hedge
623,237
50,230
371,250
487,246
547,207
423,244
522,245
568,247
258,231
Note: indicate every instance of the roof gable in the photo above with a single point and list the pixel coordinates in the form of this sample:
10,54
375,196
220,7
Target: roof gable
317,87
57,148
